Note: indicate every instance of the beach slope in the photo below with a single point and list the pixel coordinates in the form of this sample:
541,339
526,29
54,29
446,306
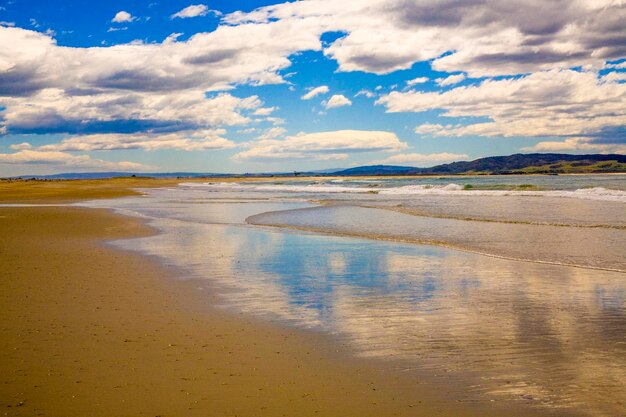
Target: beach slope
87,329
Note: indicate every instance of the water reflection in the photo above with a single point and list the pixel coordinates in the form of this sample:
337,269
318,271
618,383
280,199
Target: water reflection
549,335
514,209
591,247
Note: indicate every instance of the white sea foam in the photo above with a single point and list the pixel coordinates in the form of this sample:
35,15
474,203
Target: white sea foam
423,189
595,193
311,188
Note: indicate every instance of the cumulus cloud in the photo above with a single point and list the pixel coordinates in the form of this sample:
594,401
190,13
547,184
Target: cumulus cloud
429,129
122,16
66,160
275,120
420,159
607,140
135,87
207,61
272,133
418,80
55,110
450,80
614,76
562,103
321,146
21,146
45,86
187,141
322,89
337,100
479,37
194,10
264,111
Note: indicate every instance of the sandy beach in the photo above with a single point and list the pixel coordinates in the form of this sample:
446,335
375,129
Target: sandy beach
87,329
272,208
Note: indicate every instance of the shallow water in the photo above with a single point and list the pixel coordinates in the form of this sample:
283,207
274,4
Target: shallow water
551,337
511,209
602,248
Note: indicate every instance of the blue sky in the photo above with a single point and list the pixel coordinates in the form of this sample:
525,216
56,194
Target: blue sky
244,86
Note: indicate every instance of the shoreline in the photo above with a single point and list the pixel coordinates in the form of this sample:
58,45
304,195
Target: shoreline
63,191
130,327
440,244
88,329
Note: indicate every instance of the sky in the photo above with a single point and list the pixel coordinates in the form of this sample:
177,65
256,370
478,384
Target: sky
257,86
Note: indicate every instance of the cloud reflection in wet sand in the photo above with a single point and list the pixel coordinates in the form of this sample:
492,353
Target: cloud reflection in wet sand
552,336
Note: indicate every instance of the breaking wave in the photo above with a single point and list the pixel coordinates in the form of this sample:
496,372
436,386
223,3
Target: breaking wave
594,193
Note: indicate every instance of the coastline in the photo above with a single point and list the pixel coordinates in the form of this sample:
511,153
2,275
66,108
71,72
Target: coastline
91,330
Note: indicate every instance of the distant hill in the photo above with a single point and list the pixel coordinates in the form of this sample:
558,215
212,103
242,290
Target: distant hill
376,170
99,175
534,163
543,163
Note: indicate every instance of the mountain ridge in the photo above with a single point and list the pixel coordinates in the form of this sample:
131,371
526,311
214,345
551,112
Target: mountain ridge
535,163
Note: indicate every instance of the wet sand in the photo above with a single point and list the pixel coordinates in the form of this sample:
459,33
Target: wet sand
67,191
588,247
25,191
90,330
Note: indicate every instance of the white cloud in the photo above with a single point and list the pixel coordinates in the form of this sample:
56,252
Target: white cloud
272,133
122,16
66,160
264,111
206,61
365,93
321,146
275,120
577,144
337,100
419,159
418,80
21,146
46,86
429,129
194,10
322,89
561,103
614,76
56,110
479,37
450,80
187,141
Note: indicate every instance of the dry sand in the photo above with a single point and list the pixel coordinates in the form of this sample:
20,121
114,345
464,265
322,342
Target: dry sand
65,191
89,330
